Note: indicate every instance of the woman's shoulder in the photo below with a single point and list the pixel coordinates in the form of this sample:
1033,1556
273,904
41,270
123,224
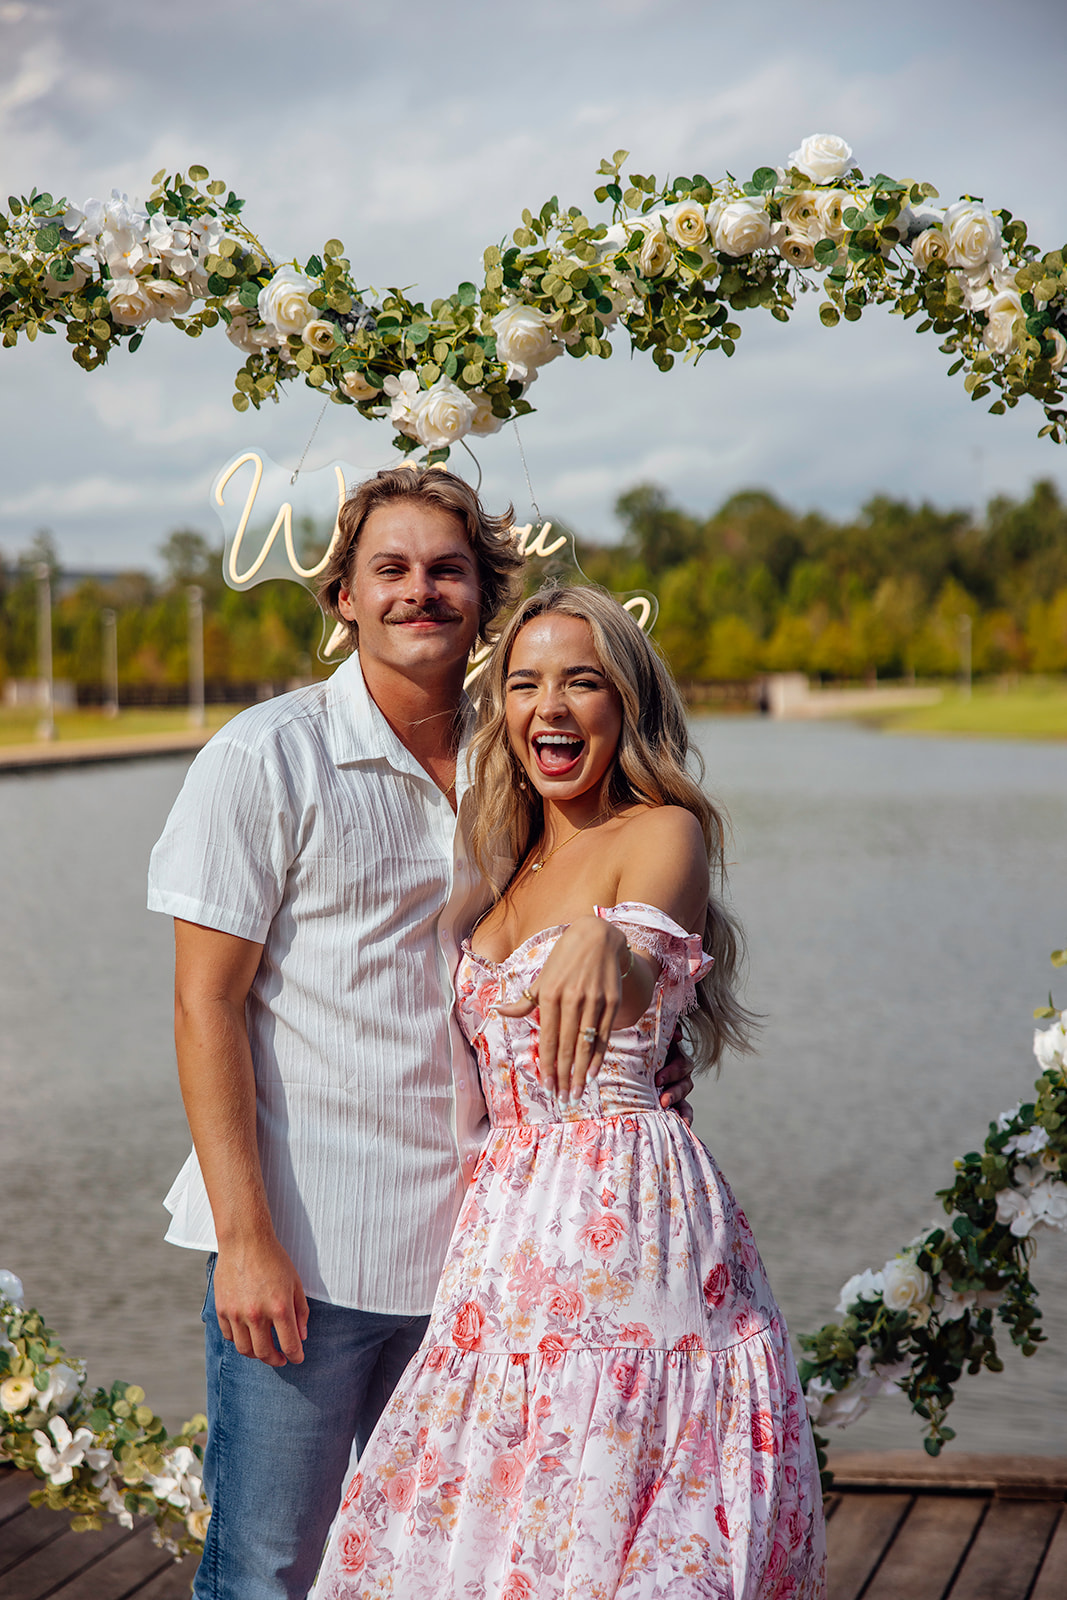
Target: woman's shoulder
669,826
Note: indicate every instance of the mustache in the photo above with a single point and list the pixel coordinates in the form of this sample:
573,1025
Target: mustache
427,613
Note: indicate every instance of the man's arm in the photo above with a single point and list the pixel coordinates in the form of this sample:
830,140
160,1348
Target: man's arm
257,1290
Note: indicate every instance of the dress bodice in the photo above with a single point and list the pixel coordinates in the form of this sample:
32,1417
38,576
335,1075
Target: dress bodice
506,1047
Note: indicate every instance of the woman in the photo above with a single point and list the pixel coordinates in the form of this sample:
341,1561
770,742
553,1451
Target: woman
605,1404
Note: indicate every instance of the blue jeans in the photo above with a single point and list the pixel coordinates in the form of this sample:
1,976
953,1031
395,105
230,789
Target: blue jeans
279,1440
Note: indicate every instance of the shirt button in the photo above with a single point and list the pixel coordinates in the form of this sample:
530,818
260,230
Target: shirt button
462,1083
470,1161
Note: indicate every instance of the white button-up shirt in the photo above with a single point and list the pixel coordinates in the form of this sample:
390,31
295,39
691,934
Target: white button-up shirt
306,825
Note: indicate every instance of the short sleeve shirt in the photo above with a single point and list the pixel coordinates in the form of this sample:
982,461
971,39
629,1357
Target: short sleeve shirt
307,826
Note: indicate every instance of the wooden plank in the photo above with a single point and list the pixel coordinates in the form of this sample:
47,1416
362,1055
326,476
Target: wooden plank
856,1535
14,1492
930,1545
1007,1553
1033,1477
173,1583
123,1571
1052,1583
20,1536
60,1561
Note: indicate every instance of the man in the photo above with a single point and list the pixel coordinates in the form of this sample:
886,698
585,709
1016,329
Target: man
320,888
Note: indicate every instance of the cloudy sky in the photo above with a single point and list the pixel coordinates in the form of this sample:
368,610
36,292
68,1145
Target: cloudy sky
416,133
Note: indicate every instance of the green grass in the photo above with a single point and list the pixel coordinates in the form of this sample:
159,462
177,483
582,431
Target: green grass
1032,708
18,725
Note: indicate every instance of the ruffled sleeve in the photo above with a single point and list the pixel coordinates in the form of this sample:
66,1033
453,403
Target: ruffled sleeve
651,932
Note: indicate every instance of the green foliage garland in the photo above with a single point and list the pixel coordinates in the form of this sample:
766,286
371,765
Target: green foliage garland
675,265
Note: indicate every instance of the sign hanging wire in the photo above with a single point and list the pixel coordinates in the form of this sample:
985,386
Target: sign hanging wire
311,438
526,470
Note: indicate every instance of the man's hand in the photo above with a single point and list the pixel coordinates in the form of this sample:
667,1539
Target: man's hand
675,1078
579,990
259,1299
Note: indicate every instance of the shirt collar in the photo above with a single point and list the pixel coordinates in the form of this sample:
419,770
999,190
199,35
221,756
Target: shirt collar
358,730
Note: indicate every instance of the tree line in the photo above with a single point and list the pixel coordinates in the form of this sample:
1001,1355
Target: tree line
756,587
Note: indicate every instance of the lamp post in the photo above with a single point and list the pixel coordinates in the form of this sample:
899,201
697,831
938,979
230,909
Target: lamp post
111,662
963,623
196,655
46,727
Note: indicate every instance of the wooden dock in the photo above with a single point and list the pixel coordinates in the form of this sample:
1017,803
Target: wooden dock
900,1528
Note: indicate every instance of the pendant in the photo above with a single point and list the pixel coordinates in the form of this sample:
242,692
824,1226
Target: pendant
535,866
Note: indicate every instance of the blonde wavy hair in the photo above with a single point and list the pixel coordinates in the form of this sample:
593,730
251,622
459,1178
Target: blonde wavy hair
650,769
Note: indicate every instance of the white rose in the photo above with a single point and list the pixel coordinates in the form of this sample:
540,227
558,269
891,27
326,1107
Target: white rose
907,1286
830,204
687,223
11,1287
63,1385
999,333
129,302
797,250
251,340
16,1394
1050,1044
524,341
1059,354
484,421
318,336
169,299
614,240
800,213
285,303
356,386
445,415
741,227
866,1285
930,245
973,235
822,156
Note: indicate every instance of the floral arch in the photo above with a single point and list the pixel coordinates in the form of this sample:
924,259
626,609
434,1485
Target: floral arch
670,271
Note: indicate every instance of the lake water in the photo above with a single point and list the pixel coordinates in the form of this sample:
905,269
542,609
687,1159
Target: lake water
900,895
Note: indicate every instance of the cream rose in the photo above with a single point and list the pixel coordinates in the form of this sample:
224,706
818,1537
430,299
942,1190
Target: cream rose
484,421
797,250
800,213
973,235
16,1394
129,302
687,223
196,1523
930,245
318,336
248,338
444,415
524,341
356,387
1059,355
822,156
741,227
169,299
906,1287
285,302
54,287
655,255
831,206
1000,334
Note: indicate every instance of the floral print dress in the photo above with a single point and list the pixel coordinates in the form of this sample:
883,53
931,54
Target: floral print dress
605,1406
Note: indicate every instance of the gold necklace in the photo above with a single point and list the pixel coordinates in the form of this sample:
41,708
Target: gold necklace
536,866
